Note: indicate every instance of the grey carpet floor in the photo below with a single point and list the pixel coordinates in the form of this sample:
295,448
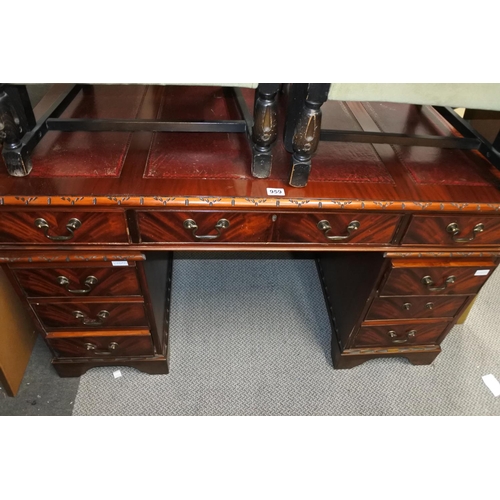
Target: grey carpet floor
251,337
42,392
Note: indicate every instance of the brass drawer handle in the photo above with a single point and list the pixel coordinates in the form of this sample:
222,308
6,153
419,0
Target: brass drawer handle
454,229
101,318
191,225
90,282
92,347
71,226
324,225
427,281
429,305
410,336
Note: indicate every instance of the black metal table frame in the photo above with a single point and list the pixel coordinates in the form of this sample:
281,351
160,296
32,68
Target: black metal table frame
303,132
21,133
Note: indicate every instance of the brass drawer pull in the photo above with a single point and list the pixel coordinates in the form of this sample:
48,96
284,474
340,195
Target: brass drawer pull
71,226
429,305
90,282
454,229
410,336
427,281
92,347
324,225
191,225
101,318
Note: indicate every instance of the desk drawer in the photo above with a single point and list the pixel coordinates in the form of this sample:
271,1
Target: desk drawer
342,228
101,344
204,227
439,280
63,227
79,281
399,334
415,307
452,230
90,315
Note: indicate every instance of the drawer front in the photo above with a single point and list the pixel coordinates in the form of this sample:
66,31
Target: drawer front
93,345
394,335
204,227
94,315
63,227
452,230
415,307
79,281
435,280
341,228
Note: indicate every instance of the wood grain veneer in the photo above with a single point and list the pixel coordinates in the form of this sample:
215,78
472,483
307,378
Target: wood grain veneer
111,281
61,314
378,335
431,230
103,227
139,344
408,280
415,307
160,226
373,228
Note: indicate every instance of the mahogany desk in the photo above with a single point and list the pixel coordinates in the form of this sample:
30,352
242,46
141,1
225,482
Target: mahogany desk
404,236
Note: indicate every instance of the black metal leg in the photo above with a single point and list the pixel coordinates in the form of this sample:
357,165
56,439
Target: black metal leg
307,133
265,128
16,119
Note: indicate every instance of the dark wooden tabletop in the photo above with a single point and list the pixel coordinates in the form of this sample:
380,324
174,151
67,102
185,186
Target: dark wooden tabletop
122,164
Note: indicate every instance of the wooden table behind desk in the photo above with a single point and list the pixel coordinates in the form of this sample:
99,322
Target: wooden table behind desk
17,337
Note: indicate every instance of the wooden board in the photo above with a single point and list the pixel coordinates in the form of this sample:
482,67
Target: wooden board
17,337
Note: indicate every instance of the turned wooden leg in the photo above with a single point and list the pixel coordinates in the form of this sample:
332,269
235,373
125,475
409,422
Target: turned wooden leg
265,128
307,132
296,95
16,119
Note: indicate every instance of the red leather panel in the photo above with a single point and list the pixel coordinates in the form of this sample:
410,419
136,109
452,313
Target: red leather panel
76,154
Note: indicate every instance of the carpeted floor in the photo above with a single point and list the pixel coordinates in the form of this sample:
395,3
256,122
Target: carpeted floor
42,391
251,337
